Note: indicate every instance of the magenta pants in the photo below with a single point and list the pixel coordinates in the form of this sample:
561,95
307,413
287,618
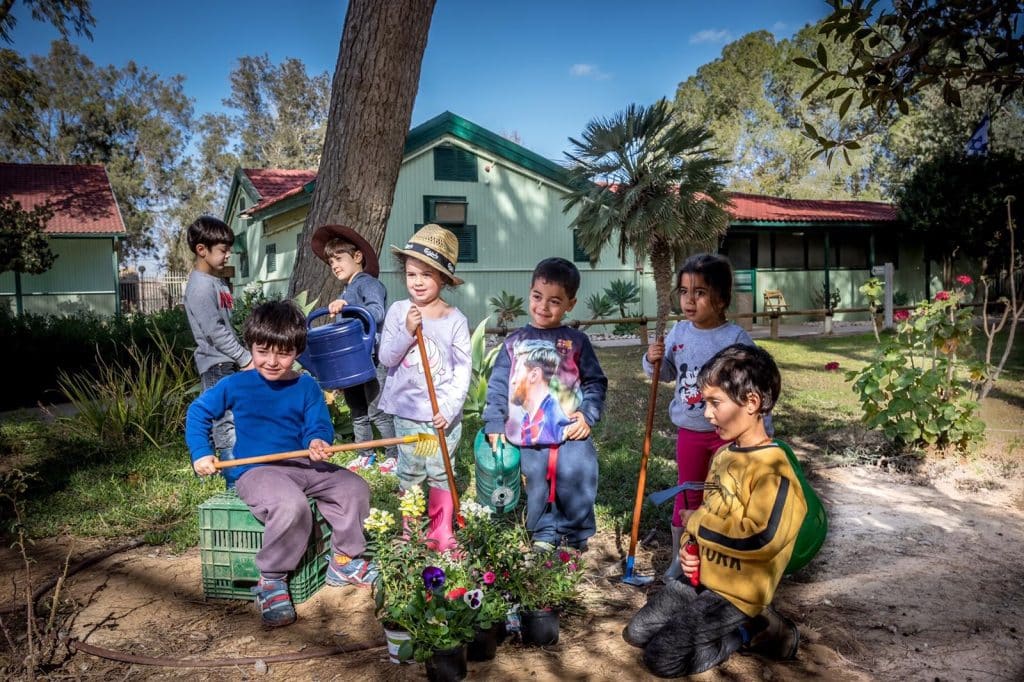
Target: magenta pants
694,450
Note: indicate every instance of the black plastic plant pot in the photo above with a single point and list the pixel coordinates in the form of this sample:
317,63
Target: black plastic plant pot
447,665
485,644
539,628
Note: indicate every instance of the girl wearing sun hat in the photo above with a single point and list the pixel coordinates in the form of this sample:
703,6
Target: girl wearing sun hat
428,260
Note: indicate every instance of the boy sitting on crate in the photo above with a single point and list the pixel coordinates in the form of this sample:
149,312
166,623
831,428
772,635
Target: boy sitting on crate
277,409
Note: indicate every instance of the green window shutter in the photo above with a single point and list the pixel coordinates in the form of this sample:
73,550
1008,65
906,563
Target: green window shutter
271,252
578,254
453,163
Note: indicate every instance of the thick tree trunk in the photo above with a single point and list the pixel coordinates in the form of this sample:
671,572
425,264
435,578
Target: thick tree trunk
372,96
661,267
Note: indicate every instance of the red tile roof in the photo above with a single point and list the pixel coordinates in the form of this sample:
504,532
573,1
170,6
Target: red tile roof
754,207
275,184
80,196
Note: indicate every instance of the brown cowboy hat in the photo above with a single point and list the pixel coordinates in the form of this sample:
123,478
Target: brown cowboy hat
435,246
326,233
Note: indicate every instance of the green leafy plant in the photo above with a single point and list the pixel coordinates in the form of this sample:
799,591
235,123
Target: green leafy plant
508,307
483,363
547,580
873,290
445,611
622,294
145,397
823,298
920,390
252,295
600,306
492,550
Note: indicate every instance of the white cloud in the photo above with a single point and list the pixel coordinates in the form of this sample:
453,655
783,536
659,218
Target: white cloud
779,27
587,71
711,35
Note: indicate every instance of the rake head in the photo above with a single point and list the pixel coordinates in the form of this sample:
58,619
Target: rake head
425,444
665,495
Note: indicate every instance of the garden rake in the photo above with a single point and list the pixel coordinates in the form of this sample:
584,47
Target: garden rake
630,578
663,496
449,472
425,444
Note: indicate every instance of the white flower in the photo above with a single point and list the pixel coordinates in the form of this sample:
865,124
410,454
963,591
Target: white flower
474,598
472,508
379,521
412,502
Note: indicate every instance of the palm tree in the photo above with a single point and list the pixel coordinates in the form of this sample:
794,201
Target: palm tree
652,183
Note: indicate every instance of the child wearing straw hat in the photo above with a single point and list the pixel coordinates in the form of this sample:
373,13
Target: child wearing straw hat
428,260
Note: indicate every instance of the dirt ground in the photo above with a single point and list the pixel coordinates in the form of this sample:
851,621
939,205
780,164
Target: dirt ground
921,578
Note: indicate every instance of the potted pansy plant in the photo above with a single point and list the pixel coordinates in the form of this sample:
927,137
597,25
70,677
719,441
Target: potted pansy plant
397,549
543,585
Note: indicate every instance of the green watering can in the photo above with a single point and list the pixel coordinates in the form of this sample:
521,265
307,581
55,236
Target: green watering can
815,526
498,481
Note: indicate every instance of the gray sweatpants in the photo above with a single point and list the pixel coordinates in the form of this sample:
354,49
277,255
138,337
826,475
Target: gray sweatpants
276,494
223,428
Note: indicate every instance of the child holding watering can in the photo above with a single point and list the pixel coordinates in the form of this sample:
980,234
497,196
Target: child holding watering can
277,409
546,391
704,283
743,533
428,260
354,262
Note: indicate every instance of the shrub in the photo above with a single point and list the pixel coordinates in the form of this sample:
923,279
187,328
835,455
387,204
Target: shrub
508,307
917,390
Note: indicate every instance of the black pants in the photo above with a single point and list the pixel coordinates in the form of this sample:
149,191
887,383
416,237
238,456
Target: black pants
684,632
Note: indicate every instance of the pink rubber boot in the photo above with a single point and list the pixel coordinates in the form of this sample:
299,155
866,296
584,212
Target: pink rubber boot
440,509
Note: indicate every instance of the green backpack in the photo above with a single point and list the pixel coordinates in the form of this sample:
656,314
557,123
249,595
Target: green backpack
815,526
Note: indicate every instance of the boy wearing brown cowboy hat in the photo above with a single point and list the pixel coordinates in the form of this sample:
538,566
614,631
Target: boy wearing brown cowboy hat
354,262
428,261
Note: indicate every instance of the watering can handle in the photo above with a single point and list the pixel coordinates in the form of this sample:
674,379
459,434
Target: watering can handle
368,322
319,312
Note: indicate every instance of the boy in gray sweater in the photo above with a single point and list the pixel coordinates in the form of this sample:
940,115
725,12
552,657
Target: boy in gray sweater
208,304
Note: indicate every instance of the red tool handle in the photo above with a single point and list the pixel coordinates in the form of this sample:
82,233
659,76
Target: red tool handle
692,549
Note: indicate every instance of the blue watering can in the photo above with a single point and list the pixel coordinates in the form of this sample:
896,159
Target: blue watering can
340,354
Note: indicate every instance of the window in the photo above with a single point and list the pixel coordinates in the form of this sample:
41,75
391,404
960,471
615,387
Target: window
453,163
740,250
851,250
578,254
271,252
887,248
451,213
788,250
240,251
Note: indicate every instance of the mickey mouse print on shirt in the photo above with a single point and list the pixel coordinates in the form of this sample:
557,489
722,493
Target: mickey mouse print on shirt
689,392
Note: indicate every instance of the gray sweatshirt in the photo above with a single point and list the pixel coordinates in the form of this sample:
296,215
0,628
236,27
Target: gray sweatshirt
208,304
366,291
687,349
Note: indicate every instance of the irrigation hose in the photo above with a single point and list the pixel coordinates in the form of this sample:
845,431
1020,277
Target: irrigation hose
76,645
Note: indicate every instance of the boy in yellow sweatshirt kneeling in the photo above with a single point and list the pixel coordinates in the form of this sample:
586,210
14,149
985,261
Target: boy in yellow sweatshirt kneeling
737,544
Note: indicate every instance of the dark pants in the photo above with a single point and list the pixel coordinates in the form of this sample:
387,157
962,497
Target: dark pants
684,632
362,404
224,428
276,494
571,514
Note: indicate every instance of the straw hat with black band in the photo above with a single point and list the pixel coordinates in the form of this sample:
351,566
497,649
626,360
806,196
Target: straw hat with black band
326,233
435,246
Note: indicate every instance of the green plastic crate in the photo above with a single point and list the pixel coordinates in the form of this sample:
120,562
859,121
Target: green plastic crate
229,538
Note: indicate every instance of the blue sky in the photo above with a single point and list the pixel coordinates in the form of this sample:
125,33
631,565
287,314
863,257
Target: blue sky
539,68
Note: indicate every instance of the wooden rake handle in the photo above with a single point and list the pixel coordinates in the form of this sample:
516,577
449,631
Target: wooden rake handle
425,361
646,453
277,457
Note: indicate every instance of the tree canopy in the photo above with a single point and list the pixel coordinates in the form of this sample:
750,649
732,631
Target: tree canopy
65,15
67,110
23,246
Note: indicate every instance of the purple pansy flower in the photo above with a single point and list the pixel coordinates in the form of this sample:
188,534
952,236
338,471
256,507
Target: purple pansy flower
433,578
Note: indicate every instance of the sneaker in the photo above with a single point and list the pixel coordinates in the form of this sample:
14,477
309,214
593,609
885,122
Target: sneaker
389,465
361,462
358,572
542,547
274,602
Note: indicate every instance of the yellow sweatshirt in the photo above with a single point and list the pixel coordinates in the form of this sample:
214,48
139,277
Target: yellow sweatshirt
747,525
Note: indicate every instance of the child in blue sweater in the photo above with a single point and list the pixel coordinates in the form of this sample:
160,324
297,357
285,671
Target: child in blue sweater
278,410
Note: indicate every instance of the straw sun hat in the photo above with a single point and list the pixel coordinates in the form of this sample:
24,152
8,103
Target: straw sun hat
435,246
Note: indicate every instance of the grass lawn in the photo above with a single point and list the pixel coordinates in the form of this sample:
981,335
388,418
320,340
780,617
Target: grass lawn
85,488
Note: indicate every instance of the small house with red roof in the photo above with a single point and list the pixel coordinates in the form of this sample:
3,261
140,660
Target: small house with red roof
83,233
505,202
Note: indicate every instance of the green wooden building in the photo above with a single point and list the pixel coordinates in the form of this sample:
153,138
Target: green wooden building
83,232
505,204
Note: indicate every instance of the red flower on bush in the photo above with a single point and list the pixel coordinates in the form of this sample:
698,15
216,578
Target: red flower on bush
831,366
901,315
965,280
456,593
942,296
489,577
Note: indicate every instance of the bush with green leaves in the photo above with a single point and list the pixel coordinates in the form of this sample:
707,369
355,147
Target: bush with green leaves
600,306
507,307
622,294
921,389
483,363
823,298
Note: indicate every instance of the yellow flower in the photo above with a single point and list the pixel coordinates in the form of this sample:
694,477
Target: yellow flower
412,503
379,521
